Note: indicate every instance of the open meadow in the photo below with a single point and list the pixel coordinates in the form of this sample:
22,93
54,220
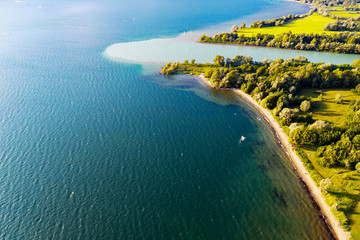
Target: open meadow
312,24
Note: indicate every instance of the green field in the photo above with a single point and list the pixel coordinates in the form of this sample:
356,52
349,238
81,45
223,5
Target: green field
328,109
345,13
312,24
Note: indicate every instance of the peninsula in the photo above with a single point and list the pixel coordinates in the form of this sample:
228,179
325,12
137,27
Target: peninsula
314,110
331,26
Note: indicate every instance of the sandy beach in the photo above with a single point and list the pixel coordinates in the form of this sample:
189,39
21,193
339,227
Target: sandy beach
334,225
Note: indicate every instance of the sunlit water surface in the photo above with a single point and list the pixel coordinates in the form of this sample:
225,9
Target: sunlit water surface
93,147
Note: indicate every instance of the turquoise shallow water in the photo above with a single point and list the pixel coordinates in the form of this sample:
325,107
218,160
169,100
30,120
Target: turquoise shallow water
96,149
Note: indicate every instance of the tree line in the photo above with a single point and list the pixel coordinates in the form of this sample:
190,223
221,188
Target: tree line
345,42
343,25
278,21
331,3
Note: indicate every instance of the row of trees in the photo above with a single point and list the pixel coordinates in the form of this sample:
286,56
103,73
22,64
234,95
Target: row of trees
319,133
343,25
330,3
346,42
278,21
332,14
278,75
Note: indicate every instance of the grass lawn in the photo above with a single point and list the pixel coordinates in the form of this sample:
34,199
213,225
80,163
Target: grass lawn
328,109
346,13
312,24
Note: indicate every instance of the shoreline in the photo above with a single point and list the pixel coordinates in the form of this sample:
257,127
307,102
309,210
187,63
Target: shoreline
314,191
244,45
291,49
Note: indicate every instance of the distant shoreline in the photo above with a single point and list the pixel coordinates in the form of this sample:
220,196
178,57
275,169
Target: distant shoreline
314,191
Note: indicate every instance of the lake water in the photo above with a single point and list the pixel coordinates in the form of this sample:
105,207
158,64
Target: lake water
94,147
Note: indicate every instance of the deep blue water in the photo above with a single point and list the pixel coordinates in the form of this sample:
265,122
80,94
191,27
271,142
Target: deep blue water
93,149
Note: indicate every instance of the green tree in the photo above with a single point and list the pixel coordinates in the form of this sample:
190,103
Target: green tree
234,28
192,61
339,99
271,100
319,125
296,136
238,60
356,142
219,60
289,114
248,59
356,64
169,69
216,77
305,106
352,160
231,78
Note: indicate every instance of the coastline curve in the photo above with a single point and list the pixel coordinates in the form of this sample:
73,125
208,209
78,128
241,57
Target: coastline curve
303,174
